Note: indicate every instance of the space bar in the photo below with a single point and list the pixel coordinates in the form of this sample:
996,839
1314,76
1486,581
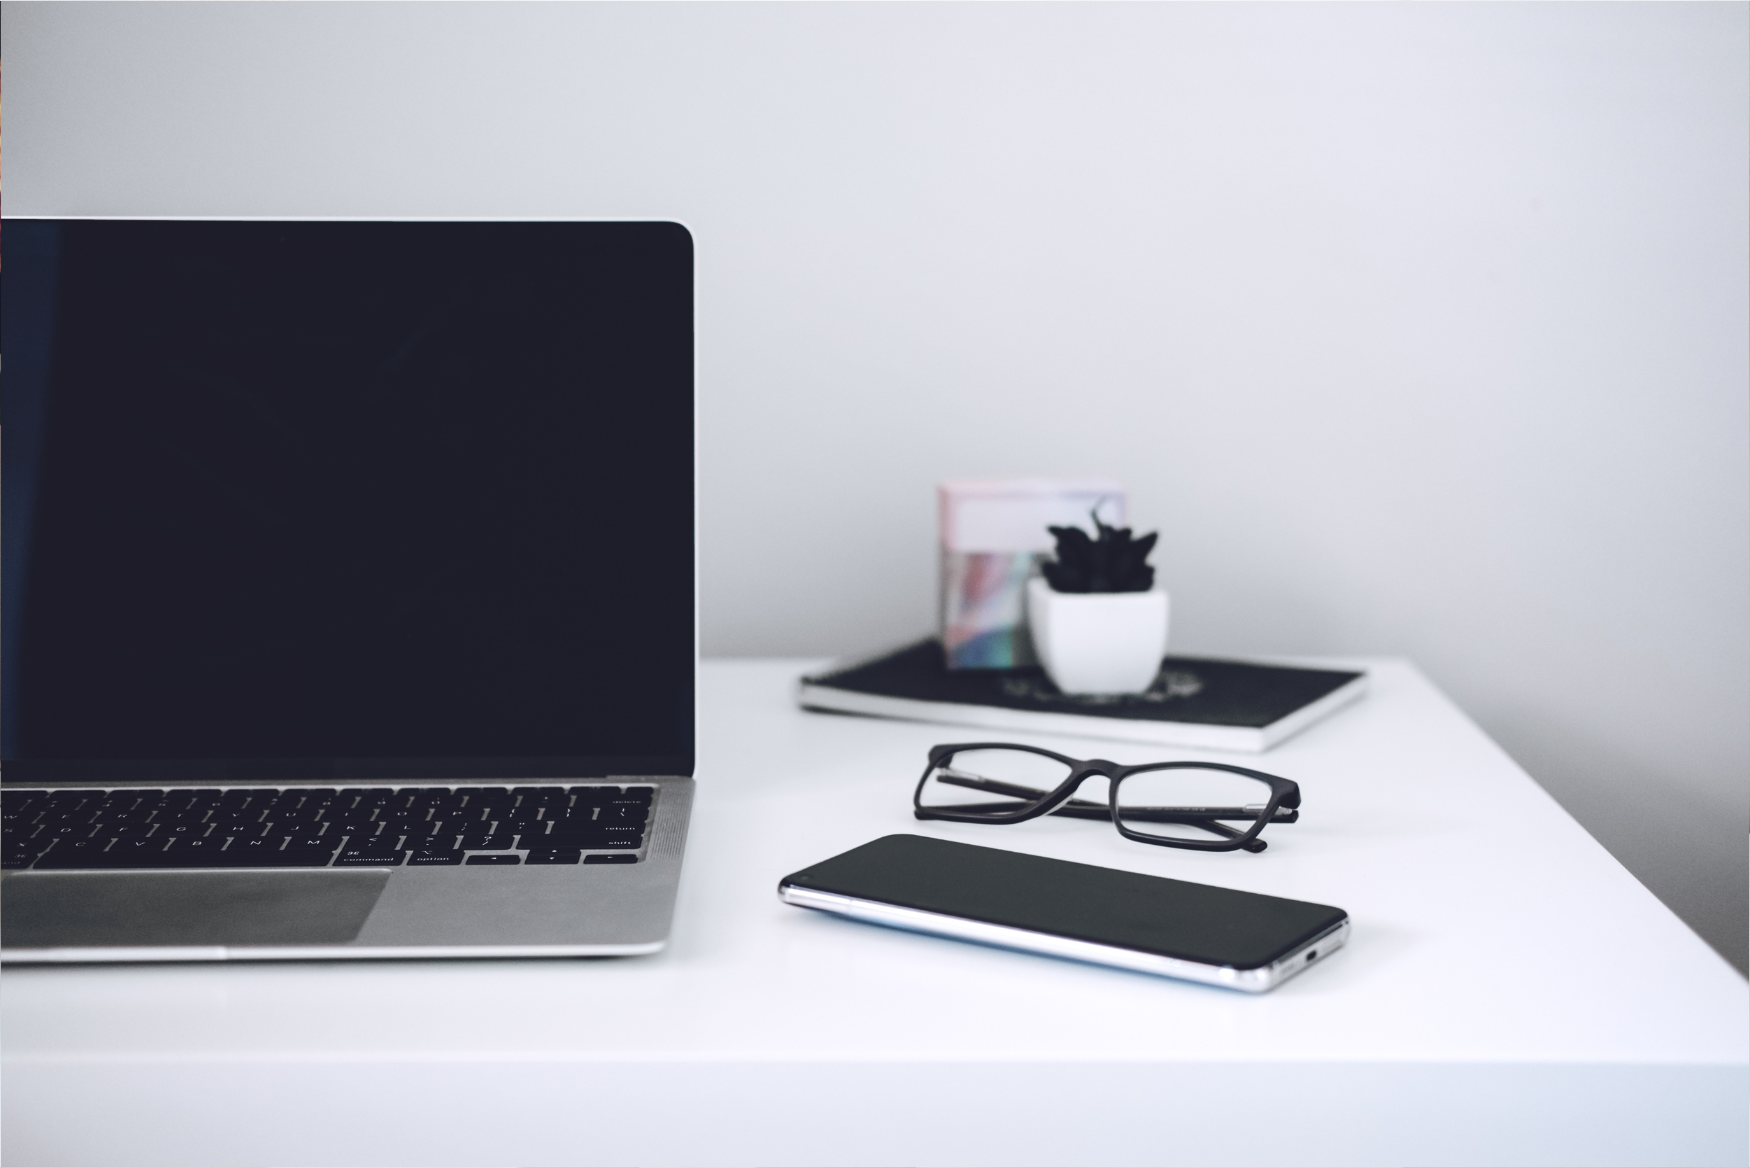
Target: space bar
109,861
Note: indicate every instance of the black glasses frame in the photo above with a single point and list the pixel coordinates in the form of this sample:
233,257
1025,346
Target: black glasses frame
1282,806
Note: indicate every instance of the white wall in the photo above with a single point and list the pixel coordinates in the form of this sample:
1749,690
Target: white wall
1415,329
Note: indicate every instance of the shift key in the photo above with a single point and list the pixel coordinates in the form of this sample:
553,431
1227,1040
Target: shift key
592,840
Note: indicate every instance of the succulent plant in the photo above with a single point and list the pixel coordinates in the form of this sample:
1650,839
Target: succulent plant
1112,562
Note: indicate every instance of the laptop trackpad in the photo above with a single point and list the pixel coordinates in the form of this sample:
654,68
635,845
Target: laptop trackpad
53,910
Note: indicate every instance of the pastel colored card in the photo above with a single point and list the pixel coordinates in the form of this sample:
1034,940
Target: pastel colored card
993,535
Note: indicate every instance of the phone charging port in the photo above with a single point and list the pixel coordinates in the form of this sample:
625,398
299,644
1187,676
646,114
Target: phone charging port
1310,954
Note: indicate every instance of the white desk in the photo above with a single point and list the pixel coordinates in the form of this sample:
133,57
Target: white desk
1511,995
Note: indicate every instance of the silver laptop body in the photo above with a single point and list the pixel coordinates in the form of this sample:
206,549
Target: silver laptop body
349,589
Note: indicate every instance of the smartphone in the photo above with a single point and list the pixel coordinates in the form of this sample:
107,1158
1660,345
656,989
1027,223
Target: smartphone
1196,932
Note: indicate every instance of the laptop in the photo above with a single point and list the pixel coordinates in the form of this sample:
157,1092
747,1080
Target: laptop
348,588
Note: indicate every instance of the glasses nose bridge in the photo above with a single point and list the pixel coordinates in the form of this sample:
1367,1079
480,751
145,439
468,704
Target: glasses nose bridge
1093,768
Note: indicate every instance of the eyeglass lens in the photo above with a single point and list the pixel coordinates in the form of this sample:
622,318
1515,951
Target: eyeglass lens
1190,803
990,781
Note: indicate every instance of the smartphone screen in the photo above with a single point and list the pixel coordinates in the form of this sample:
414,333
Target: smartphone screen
1187,924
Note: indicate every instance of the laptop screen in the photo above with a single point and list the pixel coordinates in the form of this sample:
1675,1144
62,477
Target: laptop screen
346,500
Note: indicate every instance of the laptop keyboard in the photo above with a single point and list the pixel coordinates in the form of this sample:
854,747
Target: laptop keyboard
315,827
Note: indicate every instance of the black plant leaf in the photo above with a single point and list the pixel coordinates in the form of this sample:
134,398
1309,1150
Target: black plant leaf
1114,562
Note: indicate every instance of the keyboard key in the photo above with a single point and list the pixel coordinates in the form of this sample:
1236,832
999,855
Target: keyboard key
609,858
67,831
79,853
243,859
505,858
593,795
185,845
123,858
375,857
58,860
126,815
228,858
111,810
288,859
78,815
434,857
502,842
590,841
131,845
259,843
553,856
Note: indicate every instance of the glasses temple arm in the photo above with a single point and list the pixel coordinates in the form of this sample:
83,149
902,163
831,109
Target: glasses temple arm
1256,845
979,783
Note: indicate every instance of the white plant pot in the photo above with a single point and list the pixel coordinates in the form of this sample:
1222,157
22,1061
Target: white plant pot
1098,642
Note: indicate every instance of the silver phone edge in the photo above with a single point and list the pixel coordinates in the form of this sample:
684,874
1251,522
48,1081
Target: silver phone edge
1251,981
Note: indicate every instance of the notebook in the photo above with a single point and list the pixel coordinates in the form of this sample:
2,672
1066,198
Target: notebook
348,588
1193,702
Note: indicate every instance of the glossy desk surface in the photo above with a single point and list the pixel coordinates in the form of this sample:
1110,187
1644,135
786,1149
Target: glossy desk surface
1510,994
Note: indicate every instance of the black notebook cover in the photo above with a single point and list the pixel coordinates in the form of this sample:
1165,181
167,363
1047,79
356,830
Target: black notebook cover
1194,700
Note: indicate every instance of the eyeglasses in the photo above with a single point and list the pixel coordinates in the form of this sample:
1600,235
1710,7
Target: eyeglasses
1173,804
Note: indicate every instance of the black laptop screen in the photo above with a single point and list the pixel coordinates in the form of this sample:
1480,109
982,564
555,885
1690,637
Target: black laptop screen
346,500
